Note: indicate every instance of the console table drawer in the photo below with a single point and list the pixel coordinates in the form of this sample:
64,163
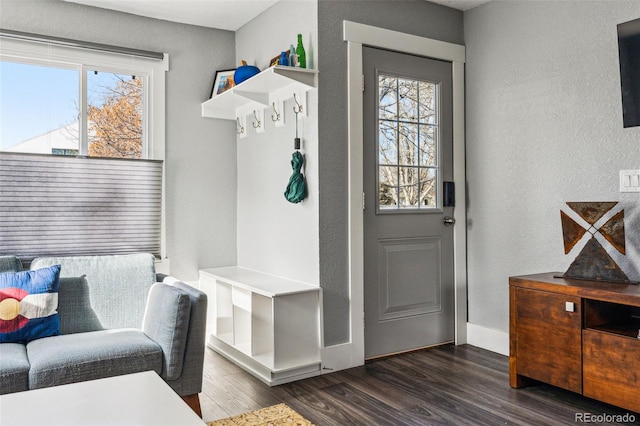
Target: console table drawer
611,368
548,346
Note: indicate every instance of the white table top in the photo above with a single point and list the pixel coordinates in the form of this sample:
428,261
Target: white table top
132,399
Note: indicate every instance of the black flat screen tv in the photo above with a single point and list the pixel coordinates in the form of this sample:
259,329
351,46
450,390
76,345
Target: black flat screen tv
629,52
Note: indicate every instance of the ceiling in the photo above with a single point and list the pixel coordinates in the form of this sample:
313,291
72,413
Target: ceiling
223,14
460,4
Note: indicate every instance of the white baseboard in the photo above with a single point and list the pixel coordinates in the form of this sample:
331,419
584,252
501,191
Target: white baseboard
488,338
340,357
344,356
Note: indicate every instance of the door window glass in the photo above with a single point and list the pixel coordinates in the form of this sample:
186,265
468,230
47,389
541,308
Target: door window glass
408,141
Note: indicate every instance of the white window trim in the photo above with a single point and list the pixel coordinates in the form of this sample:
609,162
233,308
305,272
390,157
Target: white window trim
154,70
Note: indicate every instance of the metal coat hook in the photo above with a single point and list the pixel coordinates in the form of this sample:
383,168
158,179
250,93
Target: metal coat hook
256,123
298,108
239,127
275,117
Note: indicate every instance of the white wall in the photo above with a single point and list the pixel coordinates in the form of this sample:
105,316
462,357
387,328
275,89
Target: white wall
544,126
276,236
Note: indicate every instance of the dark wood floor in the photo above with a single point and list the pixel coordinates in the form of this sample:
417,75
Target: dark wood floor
448,385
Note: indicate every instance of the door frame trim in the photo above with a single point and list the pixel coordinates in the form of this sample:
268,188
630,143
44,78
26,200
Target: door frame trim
356,35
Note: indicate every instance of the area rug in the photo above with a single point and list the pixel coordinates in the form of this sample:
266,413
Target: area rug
276,415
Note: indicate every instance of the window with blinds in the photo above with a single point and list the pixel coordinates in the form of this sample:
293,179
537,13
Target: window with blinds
54,205
65,106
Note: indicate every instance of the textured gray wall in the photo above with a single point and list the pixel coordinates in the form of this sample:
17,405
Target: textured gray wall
544,126
413,17
200,153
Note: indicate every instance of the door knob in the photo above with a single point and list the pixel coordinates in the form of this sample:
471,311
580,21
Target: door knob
448,220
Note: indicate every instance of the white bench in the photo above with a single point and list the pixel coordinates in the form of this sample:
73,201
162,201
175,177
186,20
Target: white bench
269,325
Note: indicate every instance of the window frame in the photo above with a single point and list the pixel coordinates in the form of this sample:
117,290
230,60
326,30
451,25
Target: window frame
49,54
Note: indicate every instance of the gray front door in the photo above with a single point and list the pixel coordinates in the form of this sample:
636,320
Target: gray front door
408,247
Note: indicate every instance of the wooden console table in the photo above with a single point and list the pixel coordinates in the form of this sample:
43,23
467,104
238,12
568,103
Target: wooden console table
578,335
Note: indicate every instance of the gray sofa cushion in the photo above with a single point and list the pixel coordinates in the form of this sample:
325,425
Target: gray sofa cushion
88,356
14,368
118,285
10,264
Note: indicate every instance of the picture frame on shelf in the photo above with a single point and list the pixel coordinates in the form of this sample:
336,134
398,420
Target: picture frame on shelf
222,82
276,59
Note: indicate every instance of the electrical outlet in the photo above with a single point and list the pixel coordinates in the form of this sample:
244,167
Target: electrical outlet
629,180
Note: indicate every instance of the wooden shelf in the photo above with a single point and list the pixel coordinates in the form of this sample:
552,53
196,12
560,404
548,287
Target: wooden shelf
612,318
620,329
274,84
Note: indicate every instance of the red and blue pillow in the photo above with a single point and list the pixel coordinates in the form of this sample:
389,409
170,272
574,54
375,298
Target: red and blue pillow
29,305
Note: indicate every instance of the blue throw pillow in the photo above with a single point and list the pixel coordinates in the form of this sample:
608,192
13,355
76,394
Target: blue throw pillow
29,305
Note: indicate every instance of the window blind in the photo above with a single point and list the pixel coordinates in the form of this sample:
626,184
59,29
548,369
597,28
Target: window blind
37,38
64,206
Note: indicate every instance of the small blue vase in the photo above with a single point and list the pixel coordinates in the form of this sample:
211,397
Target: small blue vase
283,59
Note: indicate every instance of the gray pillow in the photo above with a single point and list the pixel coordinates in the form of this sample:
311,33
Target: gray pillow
74,307
10,264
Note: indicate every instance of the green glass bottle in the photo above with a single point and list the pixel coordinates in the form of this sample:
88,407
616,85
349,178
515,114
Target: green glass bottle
302,57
